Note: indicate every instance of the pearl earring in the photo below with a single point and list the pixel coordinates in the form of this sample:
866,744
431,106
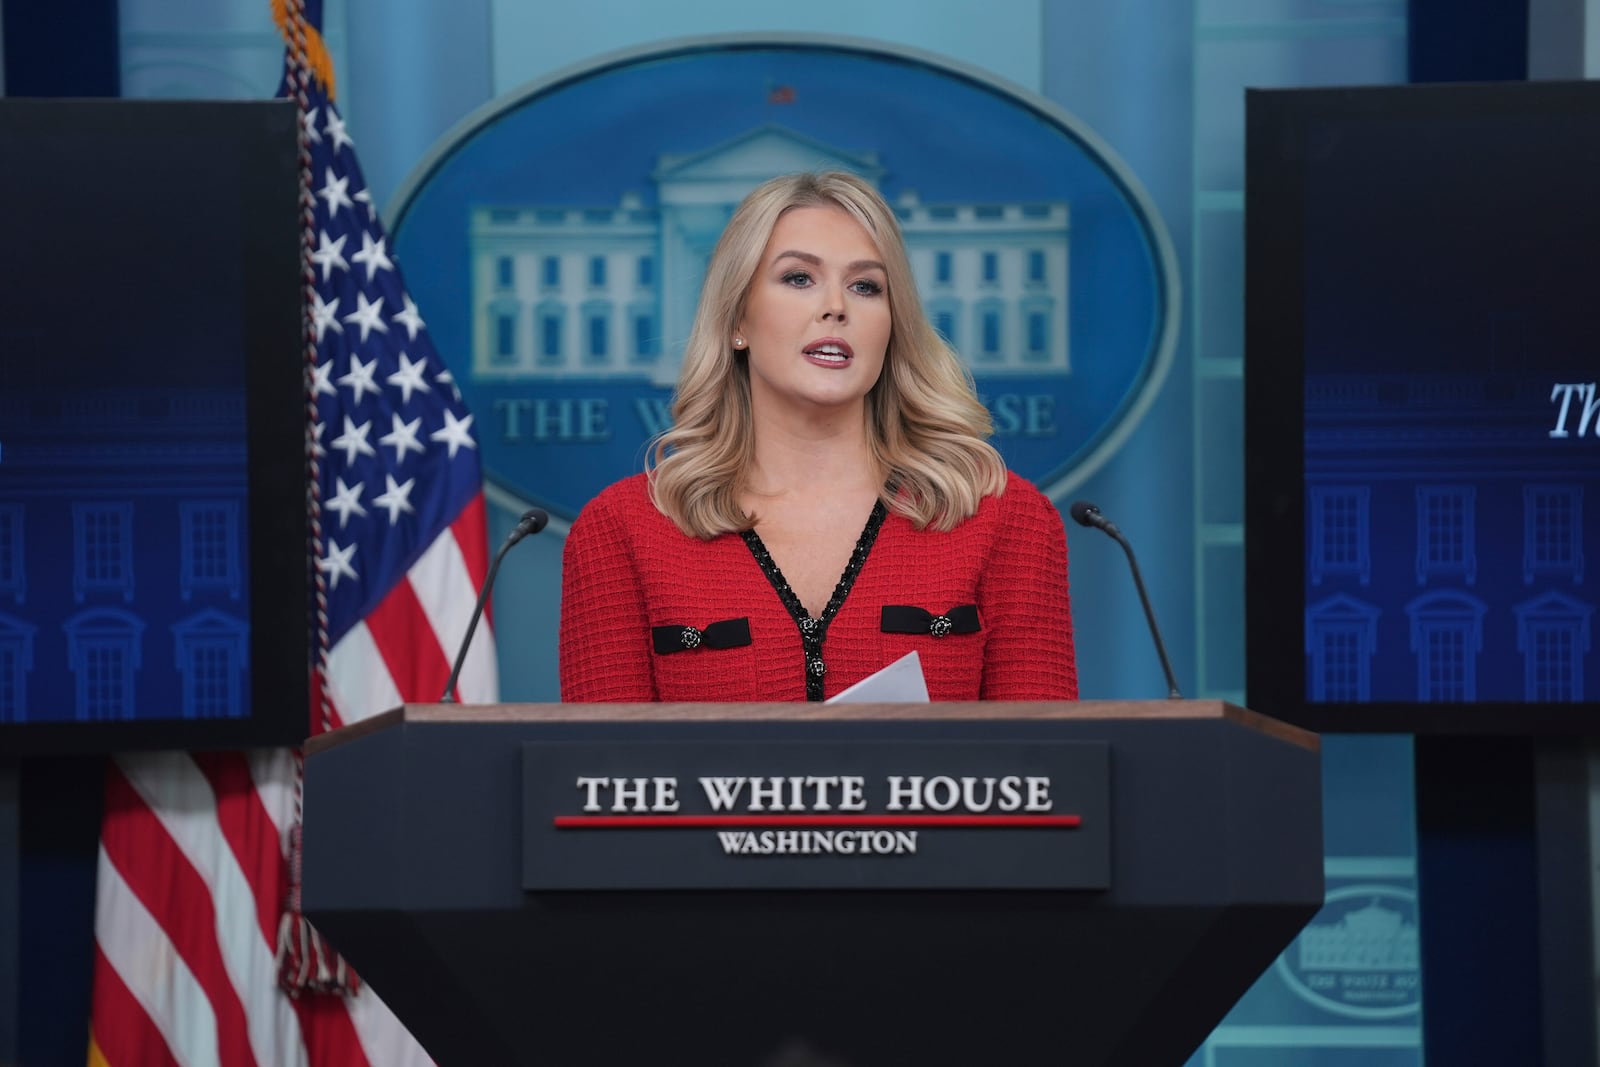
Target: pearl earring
738,342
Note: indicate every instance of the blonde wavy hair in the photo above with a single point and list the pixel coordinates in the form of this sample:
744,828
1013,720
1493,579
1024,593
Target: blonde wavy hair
925,426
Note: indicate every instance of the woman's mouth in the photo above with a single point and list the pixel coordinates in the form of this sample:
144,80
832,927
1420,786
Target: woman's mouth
829,352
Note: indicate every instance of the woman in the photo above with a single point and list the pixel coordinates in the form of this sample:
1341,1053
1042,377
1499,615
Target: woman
825,501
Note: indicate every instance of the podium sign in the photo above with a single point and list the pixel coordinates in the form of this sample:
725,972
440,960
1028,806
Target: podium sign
456,857
816,815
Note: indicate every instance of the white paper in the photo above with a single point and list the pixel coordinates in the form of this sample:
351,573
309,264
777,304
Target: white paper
901,682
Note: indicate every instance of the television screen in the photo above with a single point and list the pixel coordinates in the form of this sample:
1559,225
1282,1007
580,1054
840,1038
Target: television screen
152,446
1422,427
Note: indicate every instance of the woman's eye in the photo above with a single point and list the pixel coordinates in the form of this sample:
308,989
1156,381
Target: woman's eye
867,287
797,277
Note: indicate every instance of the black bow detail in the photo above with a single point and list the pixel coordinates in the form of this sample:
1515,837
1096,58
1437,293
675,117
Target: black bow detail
729,633
906,619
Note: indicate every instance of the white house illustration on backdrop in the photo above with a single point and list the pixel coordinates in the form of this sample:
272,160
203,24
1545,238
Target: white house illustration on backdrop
609,292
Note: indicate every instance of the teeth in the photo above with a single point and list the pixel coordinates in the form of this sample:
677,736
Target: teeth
827,350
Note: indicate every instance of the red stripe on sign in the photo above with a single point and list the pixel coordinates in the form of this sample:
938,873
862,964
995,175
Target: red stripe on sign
701,822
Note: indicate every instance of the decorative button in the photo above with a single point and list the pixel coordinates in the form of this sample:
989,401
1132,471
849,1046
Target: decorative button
816,666
910,619
675,637
808,626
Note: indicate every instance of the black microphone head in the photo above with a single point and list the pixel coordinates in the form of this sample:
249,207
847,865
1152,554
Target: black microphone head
1084,513
533,520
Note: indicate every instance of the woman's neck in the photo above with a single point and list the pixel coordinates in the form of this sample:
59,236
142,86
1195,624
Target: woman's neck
797,456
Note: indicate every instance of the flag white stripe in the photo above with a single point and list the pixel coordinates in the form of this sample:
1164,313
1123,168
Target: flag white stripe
358,680
182,799
383,1038
439,579
138,949
273,771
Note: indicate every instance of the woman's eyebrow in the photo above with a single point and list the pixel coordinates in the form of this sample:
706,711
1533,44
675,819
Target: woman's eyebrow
816,261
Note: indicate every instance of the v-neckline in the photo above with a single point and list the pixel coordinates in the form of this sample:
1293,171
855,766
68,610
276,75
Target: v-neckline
814,629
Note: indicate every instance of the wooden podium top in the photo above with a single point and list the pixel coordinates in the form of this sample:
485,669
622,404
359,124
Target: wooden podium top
981,711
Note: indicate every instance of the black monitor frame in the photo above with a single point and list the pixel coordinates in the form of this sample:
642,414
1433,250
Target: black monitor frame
262,139
1280,145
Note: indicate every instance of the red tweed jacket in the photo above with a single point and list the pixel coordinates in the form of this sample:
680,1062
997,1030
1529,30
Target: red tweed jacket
632,582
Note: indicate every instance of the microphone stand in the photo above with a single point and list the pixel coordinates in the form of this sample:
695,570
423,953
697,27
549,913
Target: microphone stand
1086,514
533,520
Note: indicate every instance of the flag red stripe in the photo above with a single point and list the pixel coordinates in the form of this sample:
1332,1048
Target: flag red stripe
321,691
122,1030
330,1036
159,874
471,529
325,1025
336,718
359,683
408,645
251,834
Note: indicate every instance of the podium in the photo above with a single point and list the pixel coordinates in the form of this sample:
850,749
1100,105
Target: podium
501,935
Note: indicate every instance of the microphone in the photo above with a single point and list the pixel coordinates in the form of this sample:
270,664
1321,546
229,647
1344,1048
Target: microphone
1086,514
533,520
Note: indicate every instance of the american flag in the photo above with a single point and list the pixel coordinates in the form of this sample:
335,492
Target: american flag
195,914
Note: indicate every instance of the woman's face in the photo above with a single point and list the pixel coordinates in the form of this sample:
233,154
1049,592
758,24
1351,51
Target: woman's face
816,321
